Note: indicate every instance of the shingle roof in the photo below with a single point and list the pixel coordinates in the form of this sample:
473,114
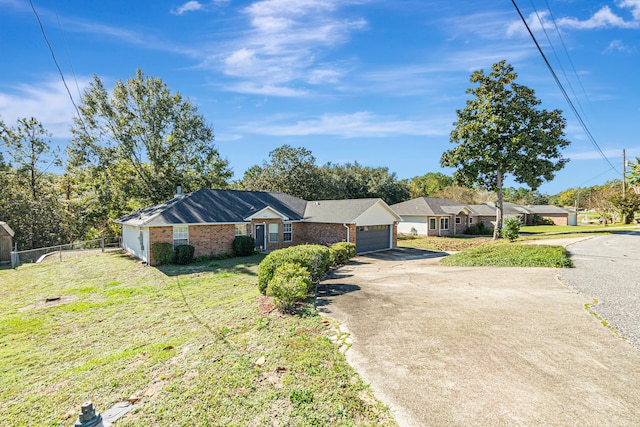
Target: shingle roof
6,228
429,206
547,209
338,211
206,206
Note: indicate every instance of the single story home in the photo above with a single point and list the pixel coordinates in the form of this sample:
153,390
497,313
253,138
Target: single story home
6,242
432,216
209,220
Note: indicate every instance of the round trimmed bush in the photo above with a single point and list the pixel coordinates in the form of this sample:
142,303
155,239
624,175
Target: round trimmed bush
184,254
511,229
290,284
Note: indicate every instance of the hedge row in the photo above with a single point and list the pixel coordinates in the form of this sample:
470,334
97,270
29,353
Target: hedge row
163,252
282,272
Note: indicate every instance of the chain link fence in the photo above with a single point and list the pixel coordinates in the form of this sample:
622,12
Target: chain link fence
64,252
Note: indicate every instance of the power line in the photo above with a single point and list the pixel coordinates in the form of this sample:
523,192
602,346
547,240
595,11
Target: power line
553,49
564,92
53,55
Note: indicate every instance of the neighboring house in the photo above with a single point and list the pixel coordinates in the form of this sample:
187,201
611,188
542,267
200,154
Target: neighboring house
432,216
209,220
559,216
6,242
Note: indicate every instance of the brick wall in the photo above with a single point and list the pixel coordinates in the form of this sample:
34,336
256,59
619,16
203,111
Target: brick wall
394,235
208,240
325,234
211,240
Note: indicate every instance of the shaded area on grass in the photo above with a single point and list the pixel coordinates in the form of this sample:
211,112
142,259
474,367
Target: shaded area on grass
505,254
197,352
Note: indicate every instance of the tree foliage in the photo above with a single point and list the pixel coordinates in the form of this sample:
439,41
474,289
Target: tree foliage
429,184
633,175
30,202
502,131
293,170
289,170
133,147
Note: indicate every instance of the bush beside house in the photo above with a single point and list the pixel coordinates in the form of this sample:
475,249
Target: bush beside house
281,273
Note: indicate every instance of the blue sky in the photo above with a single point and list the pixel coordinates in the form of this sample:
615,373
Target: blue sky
372,81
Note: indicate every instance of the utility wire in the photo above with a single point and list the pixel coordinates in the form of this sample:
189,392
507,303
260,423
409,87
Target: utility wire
553,49
564,92
44,34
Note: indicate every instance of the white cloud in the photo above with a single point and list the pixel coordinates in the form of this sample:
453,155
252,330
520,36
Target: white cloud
356,125
284,44
47,101
617,46
190,6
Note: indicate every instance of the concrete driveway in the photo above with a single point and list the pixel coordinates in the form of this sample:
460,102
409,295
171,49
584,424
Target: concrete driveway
480,346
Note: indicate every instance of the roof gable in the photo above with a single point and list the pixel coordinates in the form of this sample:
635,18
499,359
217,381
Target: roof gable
4,226
348,211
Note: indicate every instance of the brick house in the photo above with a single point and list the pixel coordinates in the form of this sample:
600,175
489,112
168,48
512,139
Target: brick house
209,220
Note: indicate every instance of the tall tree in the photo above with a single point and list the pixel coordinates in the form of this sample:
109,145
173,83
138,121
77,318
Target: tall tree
31,203
428,184
140,142
502,131
290,170
354,181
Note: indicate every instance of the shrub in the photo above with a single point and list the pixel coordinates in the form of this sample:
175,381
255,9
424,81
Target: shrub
341,252
478,229
315,258
184,254
511,229
244,245
162,252
290,283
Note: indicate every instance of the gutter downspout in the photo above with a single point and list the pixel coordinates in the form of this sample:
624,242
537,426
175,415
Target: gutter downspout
348,232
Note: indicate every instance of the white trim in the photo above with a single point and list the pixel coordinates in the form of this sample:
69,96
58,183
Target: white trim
255,215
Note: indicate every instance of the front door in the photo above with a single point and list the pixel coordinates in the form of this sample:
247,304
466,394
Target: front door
259,236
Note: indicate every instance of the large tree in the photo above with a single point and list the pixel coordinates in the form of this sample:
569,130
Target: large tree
502,131
429,184
354,181
30,200
290,170
137,144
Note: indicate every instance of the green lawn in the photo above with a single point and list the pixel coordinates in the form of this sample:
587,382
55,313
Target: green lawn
197,344
506,254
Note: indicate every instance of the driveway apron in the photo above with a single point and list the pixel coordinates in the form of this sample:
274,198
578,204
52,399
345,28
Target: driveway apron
480,346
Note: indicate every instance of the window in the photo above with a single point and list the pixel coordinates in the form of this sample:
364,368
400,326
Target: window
180,235
241,229
287,231
444,223
470,220
273,233
458,220
432,223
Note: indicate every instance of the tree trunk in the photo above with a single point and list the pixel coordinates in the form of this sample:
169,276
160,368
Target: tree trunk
497,230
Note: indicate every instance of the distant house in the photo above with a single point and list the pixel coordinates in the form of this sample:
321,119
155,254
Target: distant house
432,216
209,220
6,242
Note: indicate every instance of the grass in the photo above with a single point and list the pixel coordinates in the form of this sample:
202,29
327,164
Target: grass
505,254
196,344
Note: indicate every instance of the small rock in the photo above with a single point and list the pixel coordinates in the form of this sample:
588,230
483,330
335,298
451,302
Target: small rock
261,361
133,398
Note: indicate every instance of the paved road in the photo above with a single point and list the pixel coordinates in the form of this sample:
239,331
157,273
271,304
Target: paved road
607,269
481,346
